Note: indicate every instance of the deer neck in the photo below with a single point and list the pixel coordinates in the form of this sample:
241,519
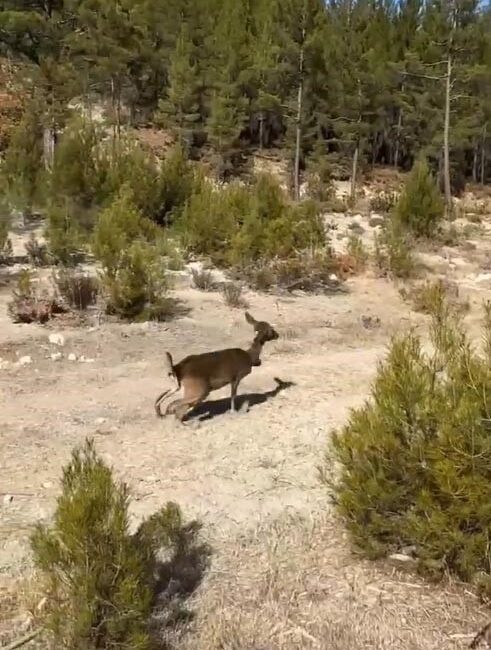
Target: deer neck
255,351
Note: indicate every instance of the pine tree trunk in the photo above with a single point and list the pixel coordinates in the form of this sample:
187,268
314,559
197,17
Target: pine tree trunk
398,135
298,139
483,155
49,136
261,131
354,171
474,163
446,133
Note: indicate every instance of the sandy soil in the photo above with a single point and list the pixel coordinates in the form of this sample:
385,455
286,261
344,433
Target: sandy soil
237,473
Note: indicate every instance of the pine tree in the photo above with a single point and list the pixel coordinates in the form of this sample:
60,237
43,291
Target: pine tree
180,109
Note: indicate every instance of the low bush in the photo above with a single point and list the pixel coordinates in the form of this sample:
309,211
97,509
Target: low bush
426,295
28,305
420,207
357,251
100,582
117,227
202,279
136,287
237,225
415,460
37,252
64,238
232,295
383,202
79,290
393,251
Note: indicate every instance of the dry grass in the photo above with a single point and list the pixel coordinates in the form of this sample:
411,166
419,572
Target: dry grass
294,585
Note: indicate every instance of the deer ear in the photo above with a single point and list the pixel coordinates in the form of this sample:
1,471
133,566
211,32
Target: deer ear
250,319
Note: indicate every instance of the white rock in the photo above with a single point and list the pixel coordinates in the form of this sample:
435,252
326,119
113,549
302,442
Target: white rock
400,557
84,359
57,339
8,498
25,361
56,356
100,421
72,357
47,485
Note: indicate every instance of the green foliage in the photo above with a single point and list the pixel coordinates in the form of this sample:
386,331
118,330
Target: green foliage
97,577
415,460
63,235
180,108
78,173
357,251
420,207
237,224
136,286
22,168
37,252
176,184
393,254
117,227
128,247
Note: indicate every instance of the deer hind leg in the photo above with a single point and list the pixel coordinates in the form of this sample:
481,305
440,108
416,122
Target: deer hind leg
165,395
195,391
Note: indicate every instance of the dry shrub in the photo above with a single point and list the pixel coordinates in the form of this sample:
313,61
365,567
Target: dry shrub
30,306
202,279
427,296
293,585
357,251
102,584
393,251
383,202
232,295
78,289
37,252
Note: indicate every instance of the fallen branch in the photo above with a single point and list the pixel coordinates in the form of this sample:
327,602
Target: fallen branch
23,640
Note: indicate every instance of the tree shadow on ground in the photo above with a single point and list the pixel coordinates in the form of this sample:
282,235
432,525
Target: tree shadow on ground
213,408
176,572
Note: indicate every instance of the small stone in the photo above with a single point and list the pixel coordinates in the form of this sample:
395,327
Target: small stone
56,356
375,221
57,339
8,498
72,357
401,558
25,361
100,421
47,485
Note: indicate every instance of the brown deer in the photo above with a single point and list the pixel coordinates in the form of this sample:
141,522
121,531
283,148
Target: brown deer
200,374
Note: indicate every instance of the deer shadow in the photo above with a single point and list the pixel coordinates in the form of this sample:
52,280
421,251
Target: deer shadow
213,408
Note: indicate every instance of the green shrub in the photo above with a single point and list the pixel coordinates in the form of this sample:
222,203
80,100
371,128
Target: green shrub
415,460
22,168
136,286
119,225
79,172
211,218
64,237
393,254
177,183
5,242
37,252
420,207
357,251
98,579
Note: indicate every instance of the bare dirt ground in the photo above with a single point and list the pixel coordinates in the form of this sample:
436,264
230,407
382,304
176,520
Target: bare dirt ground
282,574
